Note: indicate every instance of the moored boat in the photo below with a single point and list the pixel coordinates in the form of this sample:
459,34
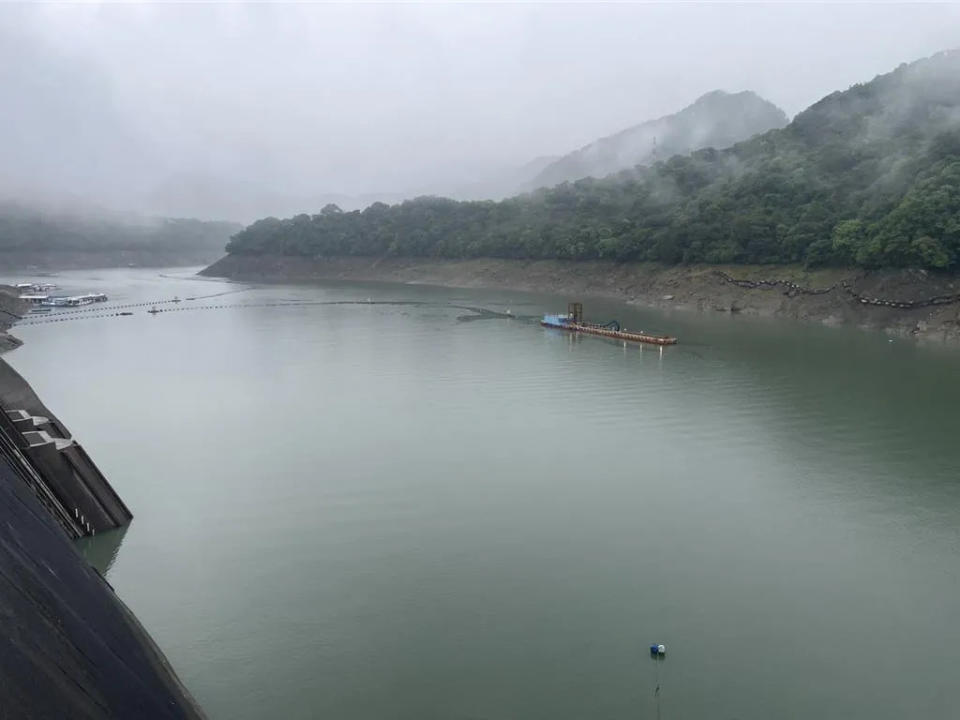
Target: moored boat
573,321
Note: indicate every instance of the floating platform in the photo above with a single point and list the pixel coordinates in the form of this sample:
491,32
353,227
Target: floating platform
572,321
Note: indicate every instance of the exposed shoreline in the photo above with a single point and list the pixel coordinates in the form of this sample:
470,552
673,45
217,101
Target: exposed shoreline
694,287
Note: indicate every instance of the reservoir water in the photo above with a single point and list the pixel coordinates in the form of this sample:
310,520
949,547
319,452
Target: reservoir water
393,506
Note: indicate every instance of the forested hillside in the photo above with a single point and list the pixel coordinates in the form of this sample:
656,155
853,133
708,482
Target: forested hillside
26,232
869,176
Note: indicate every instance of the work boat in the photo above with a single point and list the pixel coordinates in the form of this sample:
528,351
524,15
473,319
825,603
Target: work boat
573,321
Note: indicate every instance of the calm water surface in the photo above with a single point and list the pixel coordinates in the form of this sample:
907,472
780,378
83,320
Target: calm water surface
368,510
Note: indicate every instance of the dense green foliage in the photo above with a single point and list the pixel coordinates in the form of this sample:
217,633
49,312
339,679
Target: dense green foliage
26,229
869,176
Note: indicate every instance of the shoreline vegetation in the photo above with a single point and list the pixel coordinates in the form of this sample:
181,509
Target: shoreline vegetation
850,214
867,299
38,238
39,263
868,178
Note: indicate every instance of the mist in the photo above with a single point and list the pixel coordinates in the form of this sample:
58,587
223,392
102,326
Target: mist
241,111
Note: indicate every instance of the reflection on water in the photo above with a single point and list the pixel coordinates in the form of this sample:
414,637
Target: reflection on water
101,550
360,506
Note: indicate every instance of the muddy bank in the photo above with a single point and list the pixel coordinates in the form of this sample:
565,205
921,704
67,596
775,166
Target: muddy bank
840,297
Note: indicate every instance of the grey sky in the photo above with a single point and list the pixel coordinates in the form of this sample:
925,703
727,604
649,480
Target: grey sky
239,110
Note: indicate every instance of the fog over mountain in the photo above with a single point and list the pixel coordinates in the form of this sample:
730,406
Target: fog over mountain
717,120
238,111
868,175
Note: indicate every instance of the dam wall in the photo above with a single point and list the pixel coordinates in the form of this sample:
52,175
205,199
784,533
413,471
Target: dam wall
69,647
59,467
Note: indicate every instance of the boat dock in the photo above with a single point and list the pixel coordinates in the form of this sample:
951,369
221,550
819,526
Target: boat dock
64,301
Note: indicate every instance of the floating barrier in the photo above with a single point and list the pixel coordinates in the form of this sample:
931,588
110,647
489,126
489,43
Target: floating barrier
156,308
842,286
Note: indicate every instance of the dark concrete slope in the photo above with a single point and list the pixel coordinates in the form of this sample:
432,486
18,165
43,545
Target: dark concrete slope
69,648
11,309
33,436
15,392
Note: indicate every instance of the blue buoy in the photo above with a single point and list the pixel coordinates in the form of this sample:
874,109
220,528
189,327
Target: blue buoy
658,649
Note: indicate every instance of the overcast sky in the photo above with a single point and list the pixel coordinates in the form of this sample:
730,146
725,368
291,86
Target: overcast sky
239,110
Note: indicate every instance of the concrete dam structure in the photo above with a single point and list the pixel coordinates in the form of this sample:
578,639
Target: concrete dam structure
69,647
50,461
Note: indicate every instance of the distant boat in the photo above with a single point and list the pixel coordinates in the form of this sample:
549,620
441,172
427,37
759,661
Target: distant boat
71,301
153,310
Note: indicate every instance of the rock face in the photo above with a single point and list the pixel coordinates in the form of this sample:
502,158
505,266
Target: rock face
717,119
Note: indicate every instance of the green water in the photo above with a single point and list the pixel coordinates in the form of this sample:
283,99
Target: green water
368,510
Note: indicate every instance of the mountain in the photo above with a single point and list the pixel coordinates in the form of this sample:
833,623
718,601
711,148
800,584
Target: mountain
717,119
65,238
869,176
